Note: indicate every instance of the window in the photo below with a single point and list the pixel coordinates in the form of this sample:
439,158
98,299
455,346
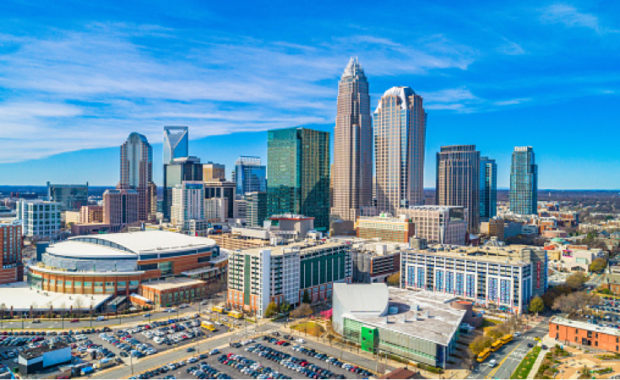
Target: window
557,327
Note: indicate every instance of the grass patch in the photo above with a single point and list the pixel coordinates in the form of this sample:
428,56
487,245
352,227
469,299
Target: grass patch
526,364
309,327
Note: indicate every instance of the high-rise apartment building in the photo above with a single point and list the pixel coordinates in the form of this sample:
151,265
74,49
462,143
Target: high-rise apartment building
438,224
187,204
176,143
488,188
250,175
70,197
458,183
352,168
399,127
11,267
177,171
523,181
256,208
213,172
39,219
298,171
120,207
137,173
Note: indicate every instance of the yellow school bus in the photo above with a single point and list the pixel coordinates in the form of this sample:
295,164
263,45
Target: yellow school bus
218,309
207,325
235,314
506,338
483,355
497,345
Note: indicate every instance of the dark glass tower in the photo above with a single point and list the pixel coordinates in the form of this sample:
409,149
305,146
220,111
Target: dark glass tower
523,181
488,188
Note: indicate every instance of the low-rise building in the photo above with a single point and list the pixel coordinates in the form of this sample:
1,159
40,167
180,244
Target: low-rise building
571,257
385,228
438,224
174,291
281,274
373,261
37,359
414,325
611,281
582,333
40,219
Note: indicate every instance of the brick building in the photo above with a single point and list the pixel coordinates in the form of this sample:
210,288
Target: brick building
11,268
582,333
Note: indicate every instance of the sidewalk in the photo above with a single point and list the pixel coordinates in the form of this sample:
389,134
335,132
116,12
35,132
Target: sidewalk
547,341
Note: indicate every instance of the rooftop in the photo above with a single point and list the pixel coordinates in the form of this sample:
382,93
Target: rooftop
516,253
282,249
172,283
585,326
421,314
21,297
38,351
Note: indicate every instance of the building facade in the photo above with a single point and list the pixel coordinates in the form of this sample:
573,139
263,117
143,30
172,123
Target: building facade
298,171
281,274
523,181
213,172
137,173
586,334
458,181
488,188
187,204
175,172
225,192
120,207
176,143
70,197
505,277
385,228
438,224
91,214
250,175
39,219
399,126
256,208
352,168
11,267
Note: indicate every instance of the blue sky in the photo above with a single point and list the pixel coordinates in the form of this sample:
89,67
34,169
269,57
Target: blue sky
77,77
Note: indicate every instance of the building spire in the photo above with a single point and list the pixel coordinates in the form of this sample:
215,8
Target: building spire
353,67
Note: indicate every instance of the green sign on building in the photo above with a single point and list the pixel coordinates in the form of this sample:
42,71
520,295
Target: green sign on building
369,339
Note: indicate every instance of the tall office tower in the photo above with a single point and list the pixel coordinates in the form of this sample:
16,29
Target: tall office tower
11,267
187,204
120,207
298,171
177,171
70,197
523,181
488,188
458,184
213,172
137,173
175,143
256,208
249,175
352,168
220,194
399,126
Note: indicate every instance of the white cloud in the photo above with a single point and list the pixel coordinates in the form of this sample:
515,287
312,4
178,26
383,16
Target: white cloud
570,16
510,102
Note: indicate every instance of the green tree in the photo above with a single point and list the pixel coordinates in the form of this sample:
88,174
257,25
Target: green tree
537,305
480,343
394,279
306,297
598,265
285,307
576,280
272,309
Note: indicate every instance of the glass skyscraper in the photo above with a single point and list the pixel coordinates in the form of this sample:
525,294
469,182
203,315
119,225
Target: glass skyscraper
523,181
399,127
137,173
175,143
179,170
298,172
488,188
250,175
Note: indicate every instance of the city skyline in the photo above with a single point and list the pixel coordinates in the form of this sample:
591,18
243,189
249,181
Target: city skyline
463,64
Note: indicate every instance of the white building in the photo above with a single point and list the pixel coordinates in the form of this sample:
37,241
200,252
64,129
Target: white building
187,203
438,224
39,219
216,209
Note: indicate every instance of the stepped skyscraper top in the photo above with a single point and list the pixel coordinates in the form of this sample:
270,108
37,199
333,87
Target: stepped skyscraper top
353,68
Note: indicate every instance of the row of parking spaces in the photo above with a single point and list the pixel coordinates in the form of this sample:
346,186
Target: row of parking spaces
181,368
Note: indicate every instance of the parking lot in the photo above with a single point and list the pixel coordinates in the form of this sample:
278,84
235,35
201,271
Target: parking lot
270,356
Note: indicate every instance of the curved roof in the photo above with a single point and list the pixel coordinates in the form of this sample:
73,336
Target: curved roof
401,92
128,244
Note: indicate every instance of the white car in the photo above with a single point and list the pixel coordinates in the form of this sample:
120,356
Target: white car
492,363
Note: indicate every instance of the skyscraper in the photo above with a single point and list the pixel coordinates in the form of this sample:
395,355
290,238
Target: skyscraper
137,173
352,168
256,208
458,183
177,171
188,204
298,172
175,143
399,126
213,172
523,181
249,175
488,188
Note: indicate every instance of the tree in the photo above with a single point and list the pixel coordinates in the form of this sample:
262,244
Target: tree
598,265
306,297
272,309
285,307
574,302
303,310
480,343
537,305
576,280
394,279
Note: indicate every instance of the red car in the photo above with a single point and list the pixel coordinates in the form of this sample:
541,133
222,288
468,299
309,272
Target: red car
75,320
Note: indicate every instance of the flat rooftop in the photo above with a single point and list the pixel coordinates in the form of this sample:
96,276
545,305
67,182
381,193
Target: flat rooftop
38,351
171,283
585,326
298,246
420,314
509,254
21,296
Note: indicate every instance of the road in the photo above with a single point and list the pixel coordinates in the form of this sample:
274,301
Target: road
510,355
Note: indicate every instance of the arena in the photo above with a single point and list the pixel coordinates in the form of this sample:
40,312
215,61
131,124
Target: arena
118,263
